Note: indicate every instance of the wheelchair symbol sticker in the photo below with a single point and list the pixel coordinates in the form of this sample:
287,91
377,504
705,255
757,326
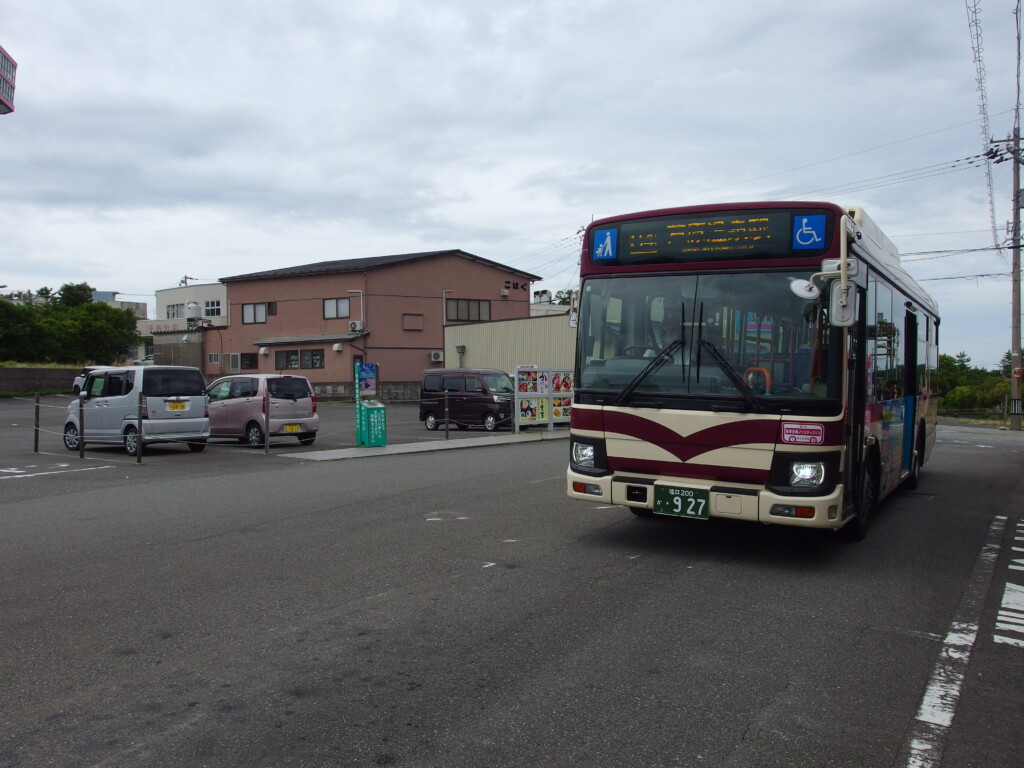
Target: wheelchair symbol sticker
605,243
808,232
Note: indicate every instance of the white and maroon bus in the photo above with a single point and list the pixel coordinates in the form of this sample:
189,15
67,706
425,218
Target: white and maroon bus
769,362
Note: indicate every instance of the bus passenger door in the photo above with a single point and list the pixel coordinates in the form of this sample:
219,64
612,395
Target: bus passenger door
857,388
910,392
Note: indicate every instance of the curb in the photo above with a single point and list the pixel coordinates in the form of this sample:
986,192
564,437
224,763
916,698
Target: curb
426,447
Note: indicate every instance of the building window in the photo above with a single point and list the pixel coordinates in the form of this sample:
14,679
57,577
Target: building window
286,360
249,361
467,310
213,358
412,322
254,313
311,358
175,311
211,308
334,308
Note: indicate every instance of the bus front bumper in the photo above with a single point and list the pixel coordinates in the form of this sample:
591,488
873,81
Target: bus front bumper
736,502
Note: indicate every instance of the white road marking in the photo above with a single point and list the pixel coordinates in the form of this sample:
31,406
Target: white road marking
55,472
927,737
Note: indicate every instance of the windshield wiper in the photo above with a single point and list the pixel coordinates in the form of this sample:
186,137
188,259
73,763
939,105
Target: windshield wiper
656,363
732,375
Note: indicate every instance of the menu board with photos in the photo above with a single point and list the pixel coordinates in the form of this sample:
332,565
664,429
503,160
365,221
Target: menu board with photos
543,396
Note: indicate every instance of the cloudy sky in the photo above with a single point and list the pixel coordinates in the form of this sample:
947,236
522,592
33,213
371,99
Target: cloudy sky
210,138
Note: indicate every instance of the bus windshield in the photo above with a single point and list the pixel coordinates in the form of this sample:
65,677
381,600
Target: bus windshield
745,336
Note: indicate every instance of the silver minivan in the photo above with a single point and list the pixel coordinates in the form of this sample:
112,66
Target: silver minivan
173,402
249,407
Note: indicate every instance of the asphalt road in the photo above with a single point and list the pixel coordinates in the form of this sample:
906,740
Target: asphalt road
454,608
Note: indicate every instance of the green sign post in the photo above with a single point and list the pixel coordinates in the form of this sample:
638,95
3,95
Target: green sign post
371,420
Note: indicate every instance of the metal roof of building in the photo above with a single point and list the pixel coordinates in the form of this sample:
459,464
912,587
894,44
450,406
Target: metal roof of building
361,265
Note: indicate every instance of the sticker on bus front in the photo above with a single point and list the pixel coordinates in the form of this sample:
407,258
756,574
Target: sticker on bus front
605,244
808,232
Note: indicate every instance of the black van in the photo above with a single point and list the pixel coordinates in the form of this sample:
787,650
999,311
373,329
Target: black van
475,396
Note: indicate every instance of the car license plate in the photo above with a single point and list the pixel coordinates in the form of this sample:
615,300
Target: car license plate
681,502
292,428
176,405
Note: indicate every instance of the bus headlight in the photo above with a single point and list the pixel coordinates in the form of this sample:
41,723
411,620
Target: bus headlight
582,454
806,474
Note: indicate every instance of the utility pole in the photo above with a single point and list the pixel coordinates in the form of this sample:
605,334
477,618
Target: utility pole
999,155
1015,376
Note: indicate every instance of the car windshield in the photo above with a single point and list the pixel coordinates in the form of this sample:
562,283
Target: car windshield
735,335
499,383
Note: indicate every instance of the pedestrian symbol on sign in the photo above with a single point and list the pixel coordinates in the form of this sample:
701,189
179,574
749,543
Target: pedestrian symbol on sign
604,244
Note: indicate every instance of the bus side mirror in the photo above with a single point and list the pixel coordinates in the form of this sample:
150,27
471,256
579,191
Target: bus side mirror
841,307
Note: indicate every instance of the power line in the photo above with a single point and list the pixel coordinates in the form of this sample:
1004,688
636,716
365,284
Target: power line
964,277
851,154
901,177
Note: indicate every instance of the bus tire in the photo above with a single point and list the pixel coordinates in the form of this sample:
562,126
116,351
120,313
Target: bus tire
857,528
911,480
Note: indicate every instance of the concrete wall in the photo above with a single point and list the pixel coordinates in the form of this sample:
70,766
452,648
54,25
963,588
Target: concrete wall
28,381
31,380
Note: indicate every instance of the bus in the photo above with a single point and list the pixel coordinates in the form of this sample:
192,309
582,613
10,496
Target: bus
769,362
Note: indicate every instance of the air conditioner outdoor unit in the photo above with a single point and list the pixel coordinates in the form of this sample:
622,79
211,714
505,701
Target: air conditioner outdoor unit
437,356
355,326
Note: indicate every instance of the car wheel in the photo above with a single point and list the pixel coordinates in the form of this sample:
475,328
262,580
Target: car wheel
196,445
71,437
131,441
254,435
307,439
430,422
490,422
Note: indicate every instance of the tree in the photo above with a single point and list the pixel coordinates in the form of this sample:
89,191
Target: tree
69,329
21,336
74,294
564,298
1006,364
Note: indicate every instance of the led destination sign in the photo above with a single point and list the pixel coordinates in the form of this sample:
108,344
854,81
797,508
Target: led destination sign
703,237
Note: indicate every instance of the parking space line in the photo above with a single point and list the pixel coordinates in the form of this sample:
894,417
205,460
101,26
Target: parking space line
54,472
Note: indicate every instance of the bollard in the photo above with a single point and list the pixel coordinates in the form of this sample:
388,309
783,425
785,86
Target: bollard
81,426
35,446
138,436
447,424
266,425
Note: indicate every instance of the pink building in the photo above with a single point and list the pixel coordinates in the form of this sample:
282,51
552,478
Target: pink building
8,72
319,319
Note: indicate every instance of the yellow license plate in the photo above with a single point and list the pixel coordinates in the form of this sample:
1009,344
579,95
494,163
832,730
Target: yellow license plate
176,405
292,428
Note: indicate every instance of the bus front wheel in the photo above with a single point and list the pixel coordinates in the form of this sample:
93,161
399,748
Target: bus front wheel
857,528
